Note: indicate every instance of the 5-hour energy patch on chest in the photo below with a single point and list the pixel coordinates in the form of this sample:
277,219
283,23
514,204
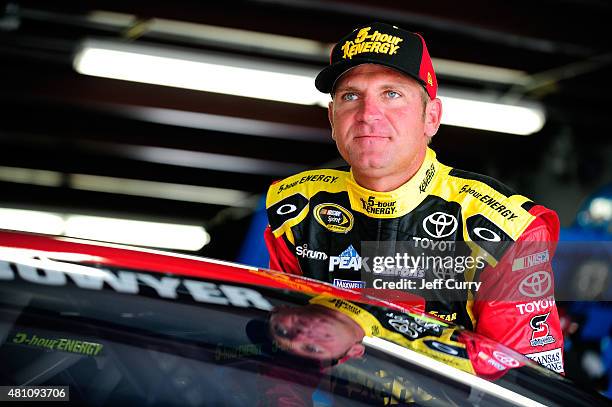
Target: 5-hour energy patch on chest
61,344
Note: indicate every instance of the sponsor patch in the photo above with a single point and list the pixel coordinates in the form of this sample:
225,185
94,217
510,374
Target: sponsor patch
306,253
431,171
535,306
376,42
349,259
379,206
535,259
440,224
333,217
446,348
505,359
536,284
349,283
286,210
307,178
550,359
540,335
414,327
494,204
488,235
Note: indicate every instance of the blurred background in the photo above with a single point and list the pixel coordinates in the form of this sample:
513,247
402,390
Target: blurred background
183,112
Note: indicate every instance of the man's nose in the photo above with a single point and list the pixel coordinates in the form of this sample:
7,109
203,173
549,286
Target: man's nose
369,110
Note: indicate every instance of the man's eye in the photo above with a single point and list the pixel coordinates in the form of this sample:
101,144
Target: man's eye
281,331
393,94
349,96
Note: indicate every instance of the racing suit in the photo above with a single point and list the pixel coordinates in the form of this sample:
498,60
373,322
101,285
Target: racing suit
320,221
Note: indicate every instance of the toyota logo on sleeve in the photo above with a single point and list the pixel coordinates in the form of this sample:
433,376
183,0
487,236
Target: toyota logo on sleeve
440,224
505,359
536,284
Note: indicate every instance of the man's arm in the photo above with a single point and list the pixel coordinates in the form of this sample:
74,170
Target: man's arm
515,304
281,257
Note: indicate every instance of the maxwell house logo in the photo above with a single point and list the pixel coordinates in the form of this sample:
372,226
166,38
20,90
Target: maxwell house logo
376,42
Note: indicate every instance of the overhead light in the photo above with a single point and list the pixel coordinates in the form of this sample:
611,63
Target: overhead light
198,71
31,176
279,82
135,187
484,113
31,221
140,233
124,231
164,190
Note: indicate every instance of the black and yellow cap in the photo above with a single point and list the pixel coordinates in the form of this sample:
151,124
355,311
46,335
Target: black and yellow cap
383,44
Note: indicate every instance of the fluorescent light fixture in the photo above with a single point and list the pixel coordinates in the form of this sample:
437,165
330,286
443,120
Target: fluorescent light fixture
134,187
124,231
140,233
31,176
164,190
464,110
226,124
31,221
206,72
279,82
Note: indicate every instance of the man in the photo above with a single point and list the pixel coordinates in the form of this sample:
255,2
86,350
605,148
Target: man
383,114
329,331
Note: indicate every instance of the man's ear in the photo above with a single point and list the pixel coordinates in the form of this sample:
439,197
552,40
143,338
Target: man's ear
356,350
330,117
433,115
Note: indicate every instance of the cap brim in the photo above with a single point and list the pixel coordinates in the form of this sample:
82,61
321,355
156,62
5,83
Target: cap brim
326,79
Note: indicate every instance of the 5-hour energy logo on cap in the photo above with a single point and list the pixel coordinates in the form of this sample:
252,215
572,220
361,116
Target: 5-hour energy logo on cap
376,42
334,217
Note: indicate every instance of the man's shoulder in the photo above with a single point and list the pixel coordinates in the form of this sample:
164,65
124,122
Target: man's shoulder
307,183
468,177
287,199
487,203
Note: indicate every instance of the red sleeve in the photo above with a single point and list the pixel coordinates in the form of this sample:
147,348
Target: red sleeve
515,304
281,258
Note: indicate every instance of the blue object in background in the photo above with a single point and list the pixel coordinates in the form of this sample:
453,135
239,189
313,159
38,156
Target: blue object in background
254,251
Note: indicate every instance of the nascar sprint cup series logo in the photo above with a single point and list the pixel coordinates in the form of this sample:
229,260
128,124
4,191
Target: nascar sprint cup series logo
334,217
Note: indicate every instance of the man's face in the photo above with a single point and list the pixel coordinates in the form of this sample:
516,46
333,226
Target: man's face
378,120
312,332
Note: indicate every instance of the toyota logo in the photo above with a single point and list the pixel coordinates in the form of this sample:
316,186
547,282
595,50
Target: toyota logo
440,225
487,234
505,359
536,284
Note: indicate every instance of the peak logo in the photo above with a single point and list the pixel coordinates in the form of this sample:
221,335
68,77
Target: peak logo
348,260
